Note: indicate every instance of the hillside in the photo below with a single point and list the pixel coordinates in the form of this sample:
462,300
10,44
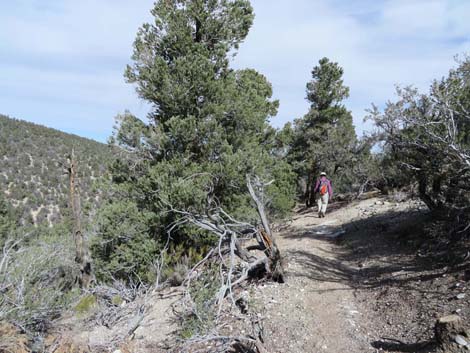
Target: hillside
32,176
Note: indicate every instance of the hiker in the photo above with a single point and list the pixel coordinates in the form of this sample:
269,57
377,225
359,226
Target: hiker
325,192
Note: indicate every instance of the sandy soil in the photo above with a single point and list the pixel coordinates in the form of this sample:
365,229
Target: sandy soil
315,311
363,279
360,280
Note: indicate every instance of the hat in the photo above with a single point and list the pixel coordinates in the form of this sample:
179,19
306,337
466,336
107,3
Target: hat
323,173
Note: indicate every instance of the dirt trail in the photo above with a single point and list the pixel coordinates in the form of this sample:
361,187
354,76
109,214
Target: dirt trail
316,310
361,280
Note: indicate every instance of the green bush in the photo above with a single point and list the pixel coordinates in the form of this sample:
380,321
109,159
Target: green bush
203,292
427,137
86,304
123,246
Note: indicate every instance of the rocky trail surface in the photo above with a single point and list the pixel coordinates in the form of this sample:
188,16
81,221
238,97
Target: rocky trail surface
315,311
363,279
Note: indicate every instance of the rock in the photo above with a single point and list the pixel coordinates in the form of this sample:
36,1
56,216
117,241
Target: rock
447,329
461,341
460,296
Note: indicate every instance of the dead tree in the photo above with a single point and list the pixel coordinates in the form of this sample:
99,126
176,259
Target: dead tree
244,251
273,255
82,254
242,263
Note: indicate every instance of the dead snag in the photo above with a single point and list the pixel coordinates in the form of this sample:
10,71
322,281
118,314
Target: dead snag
238,262
272,252
82,255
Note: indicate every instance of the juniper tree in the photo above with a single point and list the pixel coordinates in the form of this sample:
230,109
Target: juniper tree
324,139
208,126
427,136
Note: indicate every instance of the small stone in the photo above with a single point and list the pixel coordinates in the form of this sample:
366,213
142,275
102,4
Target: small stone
461,341
460,296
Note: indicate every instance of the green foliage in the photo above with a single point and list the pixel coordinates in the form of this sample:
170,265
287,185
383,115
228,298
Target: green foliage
427,136
203,293
117,300
32,174
122,247
326,90
208,129
324,139
85,304
7,220
280,193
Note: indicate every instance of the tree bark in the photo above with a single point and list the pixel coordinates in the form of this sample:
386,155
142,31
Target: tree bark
82,256
272,251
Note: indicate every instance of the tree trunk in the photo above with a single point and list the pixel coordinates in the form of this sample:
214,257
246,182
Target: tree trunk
308,190
82,256
272,251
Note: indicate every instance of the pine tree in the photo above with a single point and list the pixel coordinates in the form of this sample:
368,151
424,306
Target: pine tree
324,139
209,124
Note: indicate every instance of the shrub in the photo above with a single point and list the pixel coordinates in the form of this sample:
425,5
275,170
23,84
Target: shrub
123,247
203,294
36,279
428,137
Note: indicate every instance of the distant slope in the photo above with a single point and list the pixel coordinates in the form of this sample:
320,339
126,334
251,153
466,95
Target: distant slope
32,176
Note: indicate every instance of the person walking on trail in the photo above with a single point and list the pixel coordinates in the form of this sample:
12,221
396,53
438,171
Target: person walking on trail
325,192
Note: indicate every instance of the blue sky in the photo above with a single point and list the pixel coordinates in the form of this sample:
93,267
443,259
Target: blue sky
62,61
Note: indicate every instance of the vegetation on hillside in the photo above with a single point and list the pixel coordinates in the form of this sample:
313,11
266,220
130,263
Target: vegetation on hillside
38,274
32,170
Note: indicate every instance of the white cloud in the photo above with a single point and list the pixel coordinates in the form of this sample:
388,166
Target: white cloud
64,59
378,43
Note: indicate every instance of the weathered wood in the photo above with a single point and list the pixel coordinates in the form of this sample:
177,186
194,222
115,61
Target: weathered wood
82,255
272,251
259,207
